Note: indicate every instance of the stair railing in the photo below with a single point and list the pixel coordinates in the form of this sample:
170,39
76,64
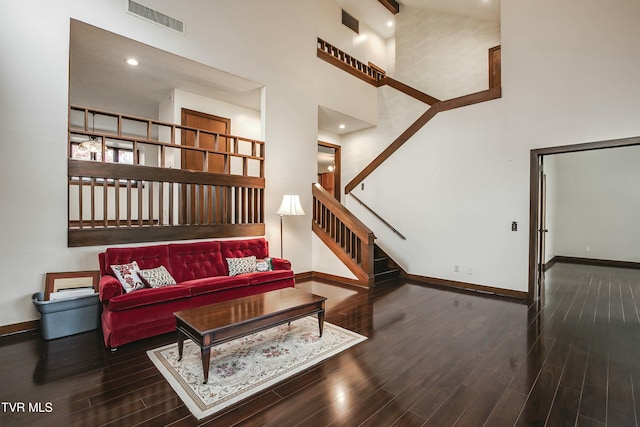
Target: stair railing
344,234
374,213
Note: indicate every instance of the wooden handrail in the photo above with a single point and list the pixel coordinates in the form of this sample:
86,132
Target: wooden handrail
341,59
439,106
344,234
374,213
408,90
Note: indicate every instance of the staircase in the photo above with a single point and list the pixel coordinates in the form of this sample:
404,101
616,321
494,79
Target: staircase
338,228
384,268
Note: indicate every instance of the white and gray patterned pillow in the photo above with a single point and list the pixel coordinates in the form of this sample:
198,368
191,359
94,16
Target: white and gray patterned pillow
241,265
264,264
157,277
128,276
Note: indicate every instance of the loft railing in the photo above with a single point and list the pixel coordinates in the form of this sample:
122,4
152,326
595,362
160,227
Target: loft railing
344,234
370,73
152,197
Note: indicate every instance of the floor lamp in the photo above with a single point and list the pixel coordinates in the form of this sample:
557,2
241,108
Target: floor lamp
290,206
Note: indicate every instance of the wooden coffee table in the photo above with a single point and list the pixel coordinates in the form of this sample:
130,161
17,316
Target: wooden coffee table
214,324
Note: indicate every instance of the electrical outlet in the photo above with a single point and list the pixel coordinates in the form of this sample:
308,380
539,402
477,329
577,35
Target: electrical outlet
469,270
514,226
362,186
456,268
588,249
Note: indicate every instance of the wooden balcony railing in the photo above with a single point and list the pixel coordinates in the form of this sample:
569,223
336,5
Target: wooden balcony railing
153,198
370,73
344,234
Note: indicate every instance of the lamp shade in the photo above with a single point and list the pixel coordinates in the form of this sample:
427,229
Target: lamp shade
290,205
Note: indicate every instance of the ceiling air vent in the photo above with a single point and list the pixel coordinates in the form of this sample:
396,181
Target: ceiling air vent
350,21
160,18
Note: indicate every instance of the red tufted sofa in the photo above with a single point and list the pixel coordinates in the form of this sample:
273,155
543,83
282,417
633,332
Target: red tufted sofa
201,272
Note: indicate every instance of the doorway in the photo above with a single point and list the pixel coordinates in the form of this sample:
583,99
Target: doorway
537,204
329,167
205,206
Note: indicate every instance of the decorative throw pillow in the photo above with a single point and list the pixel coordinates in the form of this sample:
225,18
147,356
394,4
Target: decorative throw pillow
157,277
128,276
264,264
241,265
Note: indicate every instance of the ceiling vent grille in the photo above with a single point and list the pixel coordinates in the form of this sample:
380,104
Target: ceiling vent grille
149,14
350,22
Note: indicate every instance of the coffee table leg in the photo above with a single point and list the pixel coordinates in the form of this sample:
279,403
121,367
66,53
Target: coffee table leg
321,321
206,354
180,344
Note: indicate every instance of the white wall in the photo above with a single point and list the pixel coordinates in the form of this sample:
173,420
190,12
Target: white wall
569,75
366,46
598,207
33,189
443,54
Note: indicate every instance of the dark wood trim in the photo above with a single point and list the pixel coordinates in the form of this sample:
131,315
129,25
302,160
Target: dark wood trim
111,236
17,328
466,286
474,98
345,67
550,263
598,262
533,189
303,277
495,70
336,279
395,145
588,146
440,106
150,173
408,90
533,222
337,172
391,5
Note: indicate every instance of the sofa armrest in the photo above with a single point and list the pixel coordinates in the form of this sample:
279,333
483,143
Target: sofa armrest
280,264
109,287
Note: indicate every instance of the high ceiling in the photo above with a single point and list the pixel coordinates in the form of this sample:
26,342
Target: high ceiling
98,71
97,63
376,16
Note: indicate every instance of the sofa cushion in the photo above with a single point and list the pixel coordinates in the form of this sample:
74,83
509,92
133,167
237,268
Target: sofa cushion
148,296
145,256
212,284
197,260
157,277
267,276
241,265
244,248
264,264
128,275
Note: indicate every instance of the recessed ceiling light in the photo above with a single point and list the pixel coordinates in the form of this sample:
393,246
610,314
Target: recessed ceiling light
342,126
390,24
132,61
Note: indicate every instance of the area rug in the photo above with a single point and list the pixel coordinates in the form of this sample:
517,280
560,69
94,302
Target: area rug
243,367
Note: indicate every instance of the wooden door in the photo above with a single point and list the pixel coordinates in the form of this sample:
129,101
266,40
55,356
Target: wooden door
495,67
205,205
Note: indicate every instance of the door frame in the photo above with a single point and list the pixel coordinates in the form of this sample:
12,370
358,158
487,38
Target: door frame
338,167
536,160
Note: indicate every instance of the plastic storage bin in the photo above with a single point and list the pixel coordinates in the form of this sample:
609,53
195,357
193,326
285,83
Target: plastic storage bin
61,318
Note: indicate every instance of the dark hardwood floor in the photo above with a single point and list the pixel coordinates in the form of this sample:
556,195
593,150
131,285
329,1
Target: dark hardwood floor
434,357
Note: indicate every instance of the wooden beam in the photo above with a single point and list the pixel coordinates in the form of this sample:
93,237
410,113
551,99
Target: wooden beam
112,236
392,5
